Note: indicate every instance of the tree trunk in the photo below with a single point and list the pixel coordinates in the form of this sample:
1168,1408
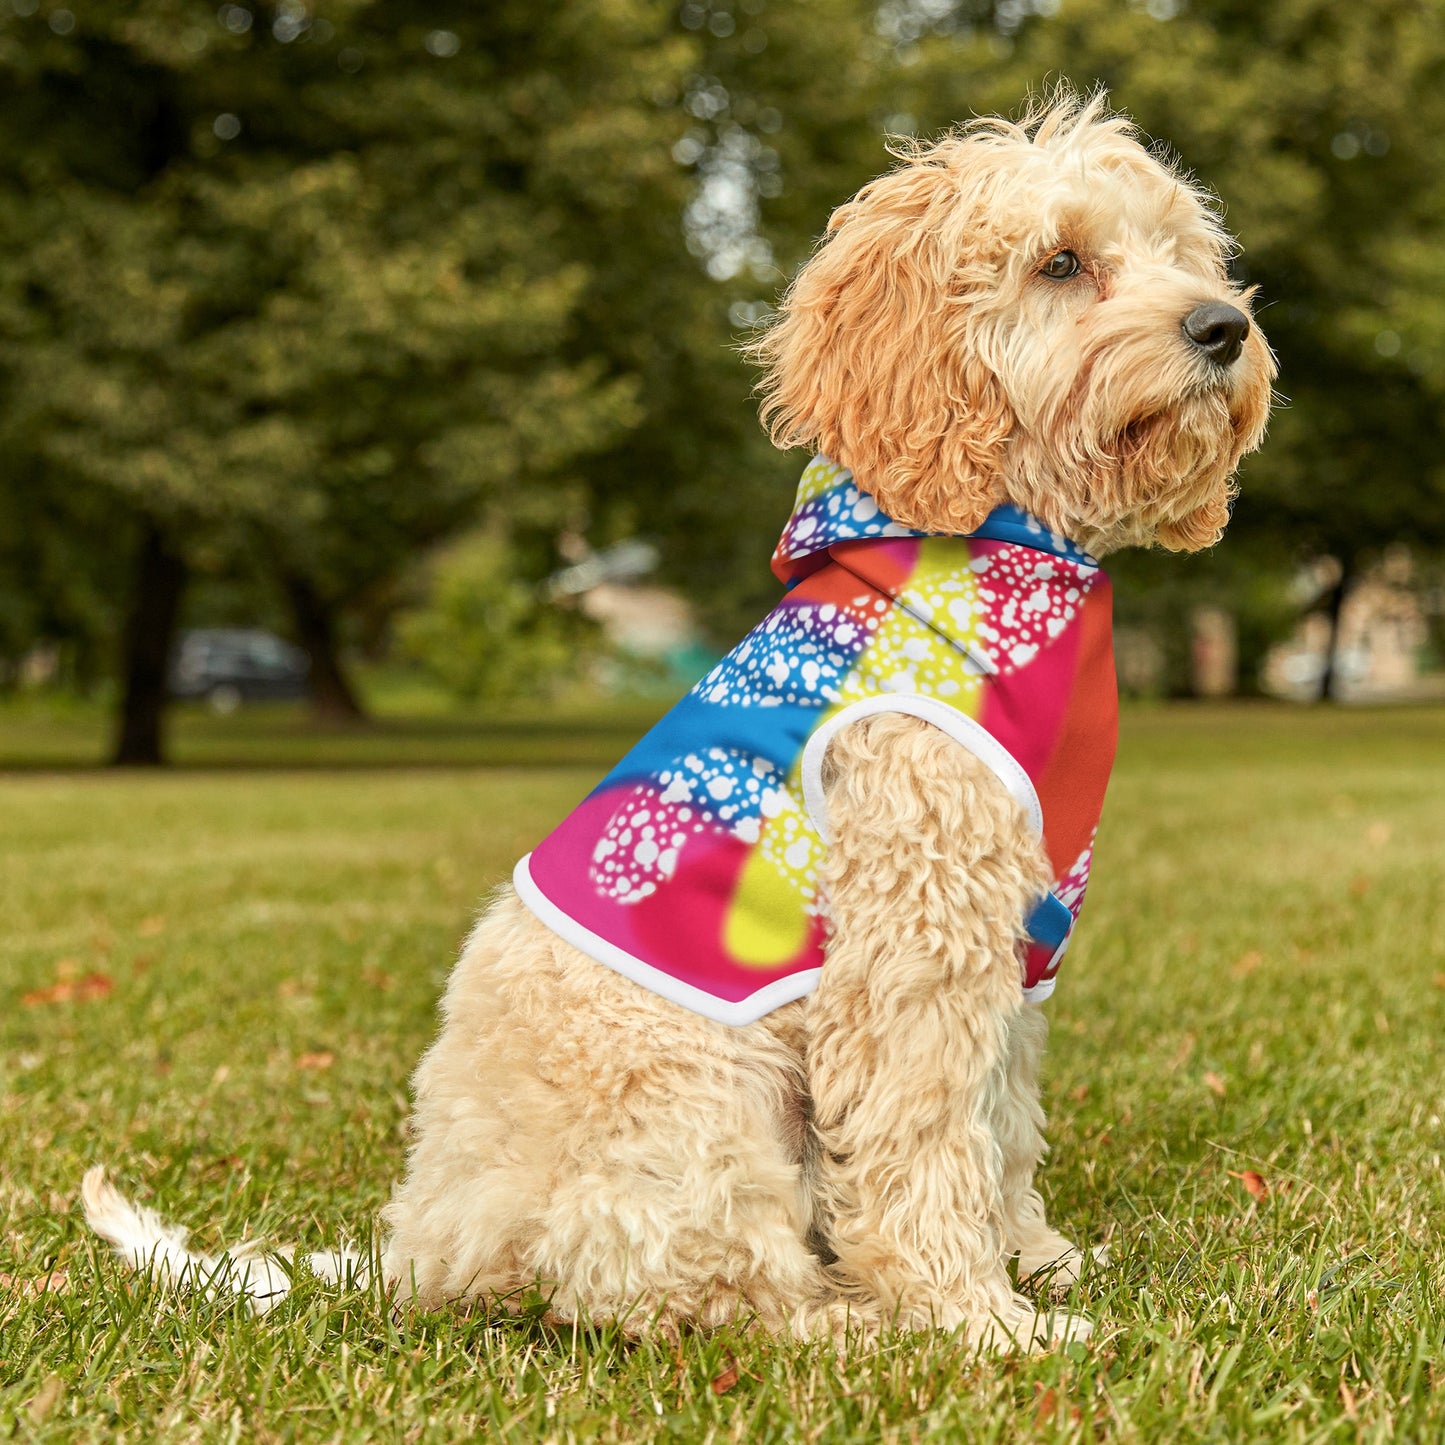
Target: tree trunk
1329,676
150,629
333,699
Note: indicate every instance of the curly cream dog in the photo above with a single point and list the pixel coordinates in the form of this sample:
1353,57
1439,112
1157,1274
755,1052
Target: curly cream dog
1033,314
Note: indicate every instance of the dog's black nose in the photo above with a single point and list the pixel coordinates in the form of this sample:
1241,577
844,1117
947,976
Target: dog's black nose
1218,331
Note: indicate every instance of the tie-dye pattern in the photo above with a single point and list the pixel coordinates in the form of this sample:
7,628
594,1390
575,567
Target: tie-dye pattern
694,866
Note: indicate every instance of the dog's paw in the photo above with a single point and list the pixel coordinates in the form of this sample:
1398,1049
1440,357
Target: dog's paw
1021,1326
1056,1267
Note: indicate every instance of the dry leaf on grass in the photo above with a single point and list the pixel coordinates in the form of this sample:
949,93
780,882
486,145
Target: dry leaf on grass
45,1399
67,990
1046,1407
152,927
56,1282
1254,1182
321,1059
1214,1083
727,1379
1347,1399
1247,963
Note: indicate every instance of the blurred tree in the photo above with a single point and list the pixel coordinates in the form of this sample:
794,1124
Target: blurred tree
779,117
483,632
307,286
312,287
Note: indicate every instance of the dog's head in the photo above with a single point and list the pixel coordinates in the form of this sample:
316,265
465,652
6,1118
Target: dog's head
1036,313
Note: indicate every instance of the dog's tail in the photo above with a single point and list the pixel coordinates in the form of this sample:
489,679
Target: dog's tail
147,1243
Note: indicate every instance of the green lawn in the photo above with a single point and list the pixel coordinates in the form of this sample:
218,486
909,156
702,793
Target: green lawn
217,980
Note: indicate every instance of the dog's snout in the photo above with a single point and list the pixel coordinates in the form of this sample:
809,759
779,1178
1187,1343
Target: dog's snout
1218,330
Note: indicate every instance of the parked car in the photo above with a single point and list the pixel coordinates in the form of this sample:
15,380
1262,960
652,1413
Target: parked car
230,665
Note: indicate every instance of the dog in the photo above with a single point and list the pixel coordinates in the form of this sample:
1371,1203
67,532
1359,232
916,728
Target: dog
698,1064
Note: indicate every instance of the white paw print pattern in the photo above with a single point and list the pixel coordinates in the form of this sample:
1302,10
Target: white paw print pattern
908,658
800,653
1025,601
1069,889
704,790
830,505
791,844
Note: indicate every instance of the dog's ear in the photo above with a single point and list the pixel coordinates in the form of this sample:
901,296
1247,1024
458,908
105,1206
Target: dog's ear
872,359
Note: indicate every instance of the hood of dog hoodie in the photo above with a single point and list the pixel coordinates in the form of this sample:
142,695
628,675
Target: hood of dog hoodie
694,867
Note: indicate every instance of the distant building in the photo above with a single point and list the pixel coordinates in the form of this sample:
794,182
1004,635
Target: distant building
1383,640
653,630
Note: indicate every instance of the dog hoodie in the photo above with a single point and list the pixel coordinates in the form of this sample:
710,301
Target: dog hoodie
694,867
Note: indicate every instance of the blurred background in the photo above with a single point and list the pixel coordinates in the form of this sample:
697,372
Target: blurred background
364,361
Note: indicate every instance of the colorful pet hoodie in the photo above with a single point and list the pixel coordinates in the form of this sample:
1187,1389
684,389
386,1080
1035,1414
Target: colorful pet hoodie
694,867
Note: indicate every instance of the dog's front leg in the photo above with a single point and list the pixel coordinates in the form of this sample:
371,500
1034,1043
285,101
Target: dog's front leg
1018,1122
930,872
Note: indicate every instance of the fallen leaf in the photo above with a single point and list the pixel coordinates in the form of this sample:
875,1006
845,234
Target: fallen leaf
66,990
321,1059
56,993
1378,834
377,978
45,1399
724,1382
56,1282
1347,1399
1046,1408
1080,1094
1255,1183
152,927
1214,1083
1360,886
1247,963
1440,980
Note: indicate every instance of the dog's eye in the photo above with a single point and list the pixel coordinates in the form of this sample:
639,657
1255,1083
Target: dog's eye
1061,266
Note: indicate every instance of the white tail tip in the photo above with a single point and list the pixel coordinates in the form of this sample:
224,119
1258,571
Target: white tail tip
147,1243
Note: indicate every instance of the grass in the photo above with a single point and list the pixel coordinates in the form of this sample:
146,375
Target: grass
409,729
229,973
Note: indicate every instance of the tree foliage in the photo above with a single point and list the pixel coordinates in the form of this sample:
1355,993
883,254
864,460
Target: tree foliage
304,289
315,289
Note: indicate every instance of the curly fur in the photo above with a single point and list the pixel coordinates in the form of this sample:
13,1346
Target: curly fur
921,347
866,1156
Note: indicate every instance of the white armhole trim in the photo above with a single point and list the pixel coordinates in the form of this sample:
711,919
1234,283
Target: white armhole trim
959,726
745,1011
